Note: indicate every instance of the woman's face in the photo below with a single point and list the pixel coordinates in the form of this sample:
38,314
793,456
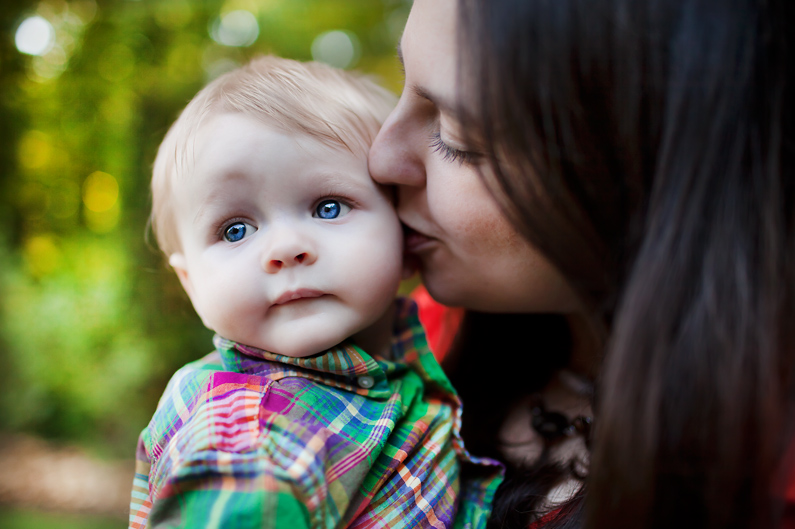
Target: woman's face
467,252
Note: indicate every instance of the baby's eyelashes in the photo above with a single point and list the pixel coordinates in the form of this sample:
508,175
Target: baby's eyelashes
235,230
238,231
331,209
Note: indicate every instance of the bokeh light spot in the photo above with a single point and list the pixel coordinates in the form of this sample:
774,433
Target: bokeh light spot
175,14
35,36
103,221
35,150
184,61
100,192
51,65
216,61
86,10
337,48
236,28
42,255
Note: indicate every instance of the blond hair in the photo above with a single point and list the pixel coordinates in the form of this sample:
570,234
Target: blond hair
338,108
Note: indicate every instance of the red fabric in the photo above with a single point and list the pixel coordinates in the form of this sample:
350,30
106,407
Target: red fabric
541,522
440,322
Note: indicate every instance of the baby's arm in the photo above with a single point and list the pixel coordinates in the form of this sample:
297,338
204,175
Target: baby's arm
200,462
207,493
140,502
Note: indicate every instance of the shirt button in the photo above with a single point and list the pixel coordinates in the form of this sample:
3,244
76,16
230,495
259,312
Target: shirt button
366,382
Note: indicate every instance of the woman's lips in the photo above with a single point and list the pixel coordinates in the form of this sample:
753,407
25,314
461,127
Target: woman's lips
415,241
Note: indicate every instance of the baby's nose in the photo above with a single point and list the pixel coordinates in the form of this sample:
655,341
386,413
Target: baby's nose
274,265
288,248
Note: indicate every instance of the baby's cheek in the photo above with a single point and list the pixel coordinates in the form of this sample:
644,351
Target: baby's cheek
226,307
389,260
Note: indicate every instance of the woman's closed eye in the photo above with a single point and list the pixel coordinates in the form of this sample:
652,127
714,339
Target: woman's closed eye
329,209
449,153
237,231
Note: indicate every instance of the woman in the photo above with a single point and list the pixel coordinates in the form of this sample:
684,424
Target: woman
611,183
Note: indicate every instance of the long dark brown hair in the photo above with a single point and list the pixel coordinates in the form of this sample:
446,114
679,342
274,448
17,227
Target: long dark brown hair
646,148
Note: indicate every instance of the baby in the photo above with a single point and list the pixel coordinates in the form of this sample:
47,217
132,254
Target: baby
321,405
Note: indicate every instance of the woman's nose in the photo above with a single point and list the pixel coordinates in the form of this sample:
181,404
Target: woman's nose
396,156
287,249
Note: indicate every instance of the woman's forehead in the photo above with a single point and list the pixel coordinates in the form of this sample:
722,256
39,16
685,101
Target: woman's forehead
427,48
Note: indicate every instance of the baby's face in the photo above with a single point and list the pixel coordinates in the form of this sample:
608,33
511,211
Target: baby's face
287,245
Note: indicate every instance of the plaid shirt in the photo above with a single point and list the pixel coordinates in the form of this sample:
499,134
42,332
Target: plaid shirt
245,438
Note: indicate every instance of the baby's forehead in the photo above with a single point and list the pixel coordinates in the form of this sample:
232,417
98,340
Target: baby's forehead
231,146
220,123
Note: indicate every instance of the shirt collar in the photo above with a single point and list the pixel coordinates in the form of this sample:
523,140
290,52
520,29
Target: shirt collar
344,365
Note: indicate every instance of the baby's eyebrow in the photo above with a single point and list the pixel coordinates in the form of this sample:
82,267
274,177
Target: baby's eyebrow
202,211
340,182
217,193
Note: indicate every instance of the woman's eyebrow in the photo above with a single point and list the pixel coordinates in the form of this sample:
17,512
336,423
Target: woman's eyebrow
440,102
444,105
420,90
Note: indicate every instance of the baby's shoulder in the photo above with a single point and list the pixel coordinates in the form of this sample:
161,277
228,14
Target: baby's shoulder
194,397
188,381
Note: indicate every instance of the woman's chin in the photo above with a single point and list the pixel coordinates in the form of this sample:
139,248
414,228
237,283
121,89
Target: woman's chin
442,289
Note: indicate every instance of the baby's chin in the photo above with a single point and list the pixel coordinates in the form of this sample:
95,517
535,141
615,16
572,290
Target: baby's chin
303,352
297,349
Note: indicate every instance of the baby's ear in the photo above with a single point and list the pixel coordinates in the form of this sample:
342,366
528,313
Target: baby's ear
180,266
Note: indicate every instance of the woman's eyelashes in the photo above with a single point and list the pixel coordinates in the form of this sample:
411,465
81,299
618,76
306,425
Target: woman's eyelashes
330,208
451,154
237,231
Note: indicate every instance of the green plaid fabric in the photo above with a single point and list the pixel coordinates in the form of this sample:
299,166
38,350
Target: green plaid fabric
244,438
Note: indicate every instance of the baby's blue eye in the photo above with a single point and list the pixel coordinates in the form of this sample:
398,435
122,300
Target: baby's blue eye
238,231
331,209
328,209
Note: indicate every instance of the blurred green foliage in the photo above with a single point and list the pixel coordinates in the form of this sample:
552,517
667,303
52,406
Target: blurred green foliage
92,323
19,519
